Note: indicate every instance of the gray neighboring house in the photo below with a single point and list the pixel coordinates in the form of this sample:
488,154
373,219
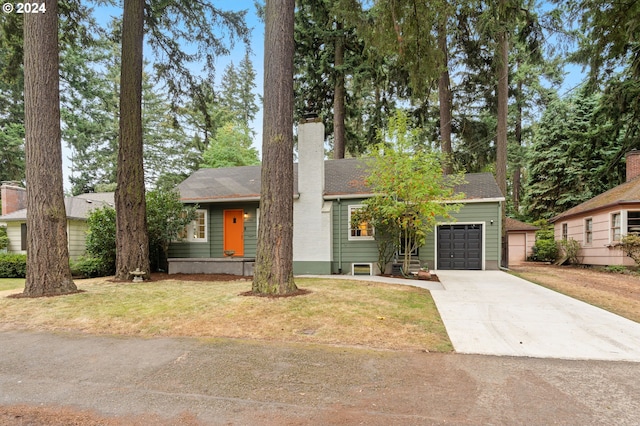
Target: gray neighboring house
14,217
326,192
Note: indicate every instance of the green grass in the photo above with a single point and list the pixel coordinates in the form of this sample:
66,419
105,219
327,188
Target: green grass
11,283
334,312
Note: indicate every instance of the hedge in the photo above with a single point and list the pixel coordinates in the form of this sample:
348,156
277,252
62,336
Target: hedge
13,265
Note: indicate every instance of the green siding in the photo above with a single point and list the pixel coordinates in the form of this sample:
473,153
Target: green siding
214,245
346,252
472,213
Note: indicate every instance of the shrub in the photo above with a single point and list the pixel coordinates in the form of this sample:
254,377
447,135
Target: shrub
13,265
545,251
101,237
630,244
90,266
545,248
570,248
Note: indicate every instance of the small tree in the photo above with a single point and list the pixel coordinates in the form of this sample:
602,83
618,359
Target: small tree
166,219
413,193
231,147
630,245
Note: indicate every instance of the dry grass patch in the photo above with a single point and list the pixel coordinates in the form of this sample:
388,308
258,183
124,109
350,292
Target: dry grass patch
335,312
615,293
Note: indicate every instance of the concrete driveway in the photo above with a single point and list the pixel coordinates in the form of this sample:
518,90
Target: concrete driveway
494,313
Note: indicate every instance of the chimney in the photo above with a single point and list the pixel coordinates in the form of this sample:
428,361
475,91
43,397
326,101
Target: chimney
14,197
311,156
312,244
633,164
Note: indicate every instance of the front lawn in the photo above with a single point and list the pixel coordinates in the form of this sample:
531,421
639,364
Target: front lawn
11,283
335,312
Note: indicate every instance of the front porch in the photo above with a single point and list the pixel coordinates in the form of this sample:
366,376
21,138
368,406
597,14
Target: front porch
242,266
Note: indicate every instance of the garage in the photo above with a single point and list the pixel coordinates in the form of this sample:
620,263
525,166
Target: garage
460,246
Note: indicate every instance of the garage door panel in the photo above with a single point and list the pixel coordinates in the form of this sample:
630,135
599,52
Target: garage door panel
459,247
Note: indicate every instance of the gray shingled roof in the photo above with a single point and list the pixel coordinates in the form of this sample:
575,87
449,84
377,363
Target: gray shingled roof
77,207
626,193
342,178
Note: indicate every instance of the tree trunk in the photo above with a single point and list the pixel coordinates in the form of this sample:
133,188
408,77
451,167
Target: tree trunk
444,96
132,242
274,253
48,271
503,97
338,97
517,167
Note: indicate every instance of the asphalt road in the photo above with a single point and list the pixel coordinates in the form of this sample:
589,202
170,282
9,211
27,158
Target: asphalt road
222,382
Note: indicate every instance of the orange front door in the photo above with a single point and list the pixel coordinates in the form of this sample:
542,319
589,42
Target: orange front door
234,231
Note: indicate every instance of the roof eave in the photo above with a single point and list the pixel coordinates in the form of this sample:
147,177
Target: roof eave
593,209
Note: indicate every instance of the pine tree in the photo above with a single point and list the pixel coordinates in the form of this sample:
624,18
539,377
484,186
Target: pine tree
48,271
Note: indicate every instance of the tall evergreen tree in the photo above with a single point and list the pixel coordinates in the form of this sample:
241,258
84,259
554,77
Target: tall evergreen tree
48,271
274,252
132,241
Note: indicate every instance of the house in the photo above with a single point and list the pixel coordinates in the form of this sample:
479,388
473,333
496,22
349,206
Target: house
521,239
14,216
598,224
326,193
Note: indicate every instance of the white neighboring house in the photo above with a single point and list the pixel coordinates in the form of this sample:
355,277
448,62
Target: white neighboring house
14,217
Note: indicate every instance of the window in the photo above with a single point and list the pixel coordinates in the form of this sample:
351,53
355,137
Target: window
196,231
23,236
588,231
565,231
616,226
359,231
633,222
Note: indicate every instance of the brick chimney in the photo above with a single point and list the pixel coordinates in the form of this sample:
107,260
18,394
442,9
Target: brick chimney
14,197
633,164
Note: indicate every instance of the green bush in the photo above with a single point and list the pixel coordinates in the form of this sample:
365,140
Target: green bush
101,237
13,265
545,248
90,266
545,251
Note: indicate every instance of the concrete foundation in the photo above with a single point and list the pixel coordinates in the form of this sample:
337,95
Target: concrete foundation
241,266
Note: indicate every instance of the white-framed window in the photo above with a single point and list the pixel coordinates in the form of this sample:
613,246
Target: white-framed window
616,226
565,231
197,230
588,231
359,231
633,222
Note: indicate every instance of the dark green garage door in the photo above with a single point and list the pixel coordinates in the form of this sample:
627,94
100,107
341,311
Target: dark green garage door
460,247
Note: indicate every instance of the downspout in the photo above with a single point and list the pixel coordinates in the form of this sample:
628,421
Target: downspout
339,236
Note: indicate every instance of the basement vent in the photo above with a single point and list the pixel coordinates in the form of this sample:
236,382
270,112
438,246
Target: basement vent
361,269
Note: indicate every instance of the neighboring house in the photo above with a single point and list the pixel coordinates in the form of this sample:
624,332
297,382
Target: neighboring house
522,237
325,195
599,223
14,215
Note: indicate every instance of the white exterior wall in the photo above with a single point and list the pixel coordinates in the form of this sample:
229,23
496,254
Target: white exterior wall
77,237
311,215
601,250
